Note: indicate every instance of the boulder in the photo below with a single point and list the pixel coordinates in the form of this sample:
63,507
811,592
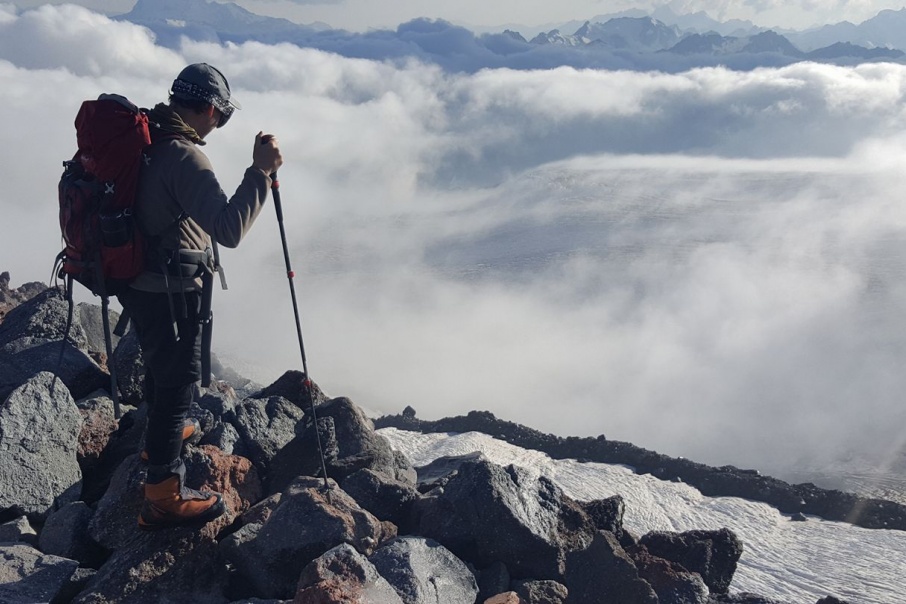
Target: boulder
493,580
488,513
126,441
175,565
27,575
542,592
77,582
226,438
265,427
348,441
65,534
90,318
130,369
293,386
607,515
98,424
509,597
388,499
711,554
220,399
44,318
342,575
423,571
115,520
39,433
233,476
439,471
604,572
672,583
305,523
23,358
11,298
16,530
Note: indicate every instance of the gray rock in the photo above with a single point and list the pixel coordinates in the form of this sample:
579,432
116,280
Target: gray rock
75,585
65,534
22,359
91,319
672,583
218,400
439,471
293,386
11,298
493,580
383,496
130,369
302,526
403,469
99,423
604,572
127,440
174,565
349,443
39,433
541,592
711,554
226,438
27,575
343,575
43,317
423,571
19,529
266,426
489,514
607,514
114,521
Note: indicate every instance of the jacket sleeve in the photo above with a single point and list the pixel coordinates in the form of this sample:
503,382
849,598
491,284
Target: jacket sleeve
202,198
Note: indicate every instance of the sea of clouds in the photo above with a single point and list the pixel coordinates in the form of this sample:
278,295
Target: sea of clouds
707,263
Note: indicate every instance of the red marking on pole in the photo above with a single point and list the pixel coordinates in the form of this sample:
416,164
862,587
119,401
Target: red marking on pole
291,274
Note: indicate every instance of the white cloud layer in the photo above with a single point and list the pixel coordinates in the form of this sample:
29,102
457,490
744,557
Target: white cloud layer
708,263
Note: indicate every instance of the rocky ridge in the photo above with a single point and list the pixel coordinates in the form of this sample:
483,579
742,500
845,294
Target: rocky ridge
377,530
724,481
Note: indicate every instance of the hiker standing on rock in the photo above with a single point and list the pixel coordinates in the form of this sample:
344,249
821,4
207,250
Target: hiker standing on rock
180,208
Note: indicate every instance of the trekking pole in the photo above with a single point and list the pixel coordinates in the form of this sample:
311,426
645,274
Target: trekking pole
275,188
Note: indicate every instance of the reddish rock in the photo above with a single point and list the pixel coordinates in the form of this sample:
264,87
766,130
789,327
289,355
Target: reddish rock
97,426
343,576
510,597
233,476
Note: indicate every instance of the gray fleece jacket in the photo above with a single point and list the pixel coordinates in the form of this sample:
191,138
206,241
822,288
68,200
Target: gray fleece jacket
176,181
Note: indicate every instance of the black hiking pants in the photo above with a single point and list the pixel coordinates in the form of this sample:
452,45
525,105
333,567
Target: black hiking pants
172,356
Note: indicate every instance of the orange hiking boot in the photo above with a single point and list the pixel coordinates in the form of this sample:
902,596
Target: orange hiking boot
191,434
169,503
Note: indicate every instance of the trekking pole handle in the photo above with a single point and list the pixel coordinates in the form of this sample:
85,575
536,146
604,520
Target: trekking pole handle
275,190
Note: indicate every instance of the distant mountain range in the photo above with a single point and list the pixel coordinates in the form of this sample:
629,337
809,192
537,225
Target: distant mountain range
632,39
647,34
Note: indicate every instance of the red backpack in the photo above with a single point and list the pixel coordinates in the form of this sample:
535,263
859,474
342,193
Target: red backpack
104,249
